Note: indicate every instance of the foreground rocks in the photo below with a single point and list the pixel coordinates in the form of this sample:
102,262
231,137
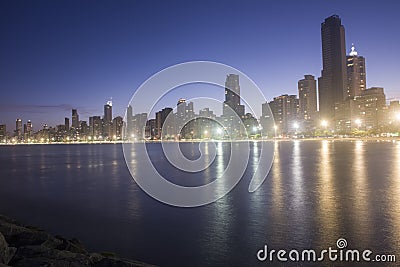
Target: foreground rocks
28,246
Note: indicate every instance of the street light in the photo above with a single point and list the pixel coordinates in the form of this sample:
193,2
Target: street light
324,123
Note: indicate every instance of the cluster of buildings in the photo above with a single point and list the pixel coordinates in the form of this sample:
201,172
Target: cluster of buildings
338,103
346,105
99,128
184,123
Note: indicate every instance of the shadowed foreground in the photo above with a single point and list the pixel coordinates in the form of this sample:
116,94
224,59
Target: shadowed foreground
28,246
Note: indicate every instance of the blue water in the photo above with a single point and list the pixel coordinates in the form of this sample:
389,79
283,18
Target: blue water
316,192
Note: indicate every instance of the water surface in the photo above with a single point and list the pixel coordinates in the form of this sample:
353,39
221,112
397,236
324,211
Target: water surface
316,192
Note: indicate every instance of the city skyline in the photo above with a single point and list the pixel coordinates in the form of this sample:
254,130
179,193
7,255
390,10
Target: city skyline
53,67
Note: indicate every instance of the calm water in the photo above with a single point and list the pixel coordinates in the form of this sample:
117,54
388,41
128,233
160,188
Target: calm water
316,192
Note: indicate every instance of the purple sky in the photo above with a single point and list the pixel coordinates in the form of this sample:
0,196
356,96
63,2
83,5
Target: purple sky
58,55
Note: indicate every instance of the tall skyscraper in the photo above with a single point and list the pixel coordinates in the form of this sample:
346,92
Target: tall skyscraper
233,111
129,122
181,110
66,123
75,119
356,74
28,129
332,85
232,95
307,98
107,119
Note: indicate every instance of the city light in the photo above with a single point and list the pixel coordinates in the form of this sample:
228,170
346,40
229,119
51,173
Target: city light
358,122
398,116
296,125
324,123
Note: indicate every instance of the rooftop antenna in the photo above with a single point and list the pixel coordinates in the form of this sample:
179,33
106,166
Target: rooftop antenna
353,51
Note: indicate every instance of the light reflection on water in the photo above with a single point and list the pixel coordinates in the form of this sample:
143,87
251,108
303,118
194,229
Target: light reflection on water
327,195
316,192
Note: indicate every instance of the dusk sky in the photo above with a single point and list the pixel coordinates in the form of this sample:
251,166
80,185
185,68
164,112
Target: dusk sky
58,55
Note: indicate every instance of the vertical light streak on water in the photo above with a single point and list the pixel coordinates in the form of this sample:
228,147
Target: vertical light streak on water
220,227
277,200
394,197
134,201
298,179
360,188
327,199
207,171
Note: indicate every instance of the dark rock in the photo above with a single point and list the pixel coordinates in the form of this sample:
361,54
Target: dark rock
6,253
43,256
73,245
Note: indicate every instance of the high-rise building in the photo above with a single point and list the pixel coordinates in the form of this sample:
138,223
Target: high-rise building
206,112
18,129
232,96
118,123
28,130
369,104
266,121
285,111
184,114
151,129
164,127
307,98
365,112
66,123
75,119
180,119
394,111
107,120
3,132
138,125
332,85
95,125
129,124
356,74
233,111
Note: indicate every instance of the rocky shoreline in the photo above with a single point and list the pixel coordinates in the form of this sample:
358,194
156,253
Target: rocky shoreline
22,245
